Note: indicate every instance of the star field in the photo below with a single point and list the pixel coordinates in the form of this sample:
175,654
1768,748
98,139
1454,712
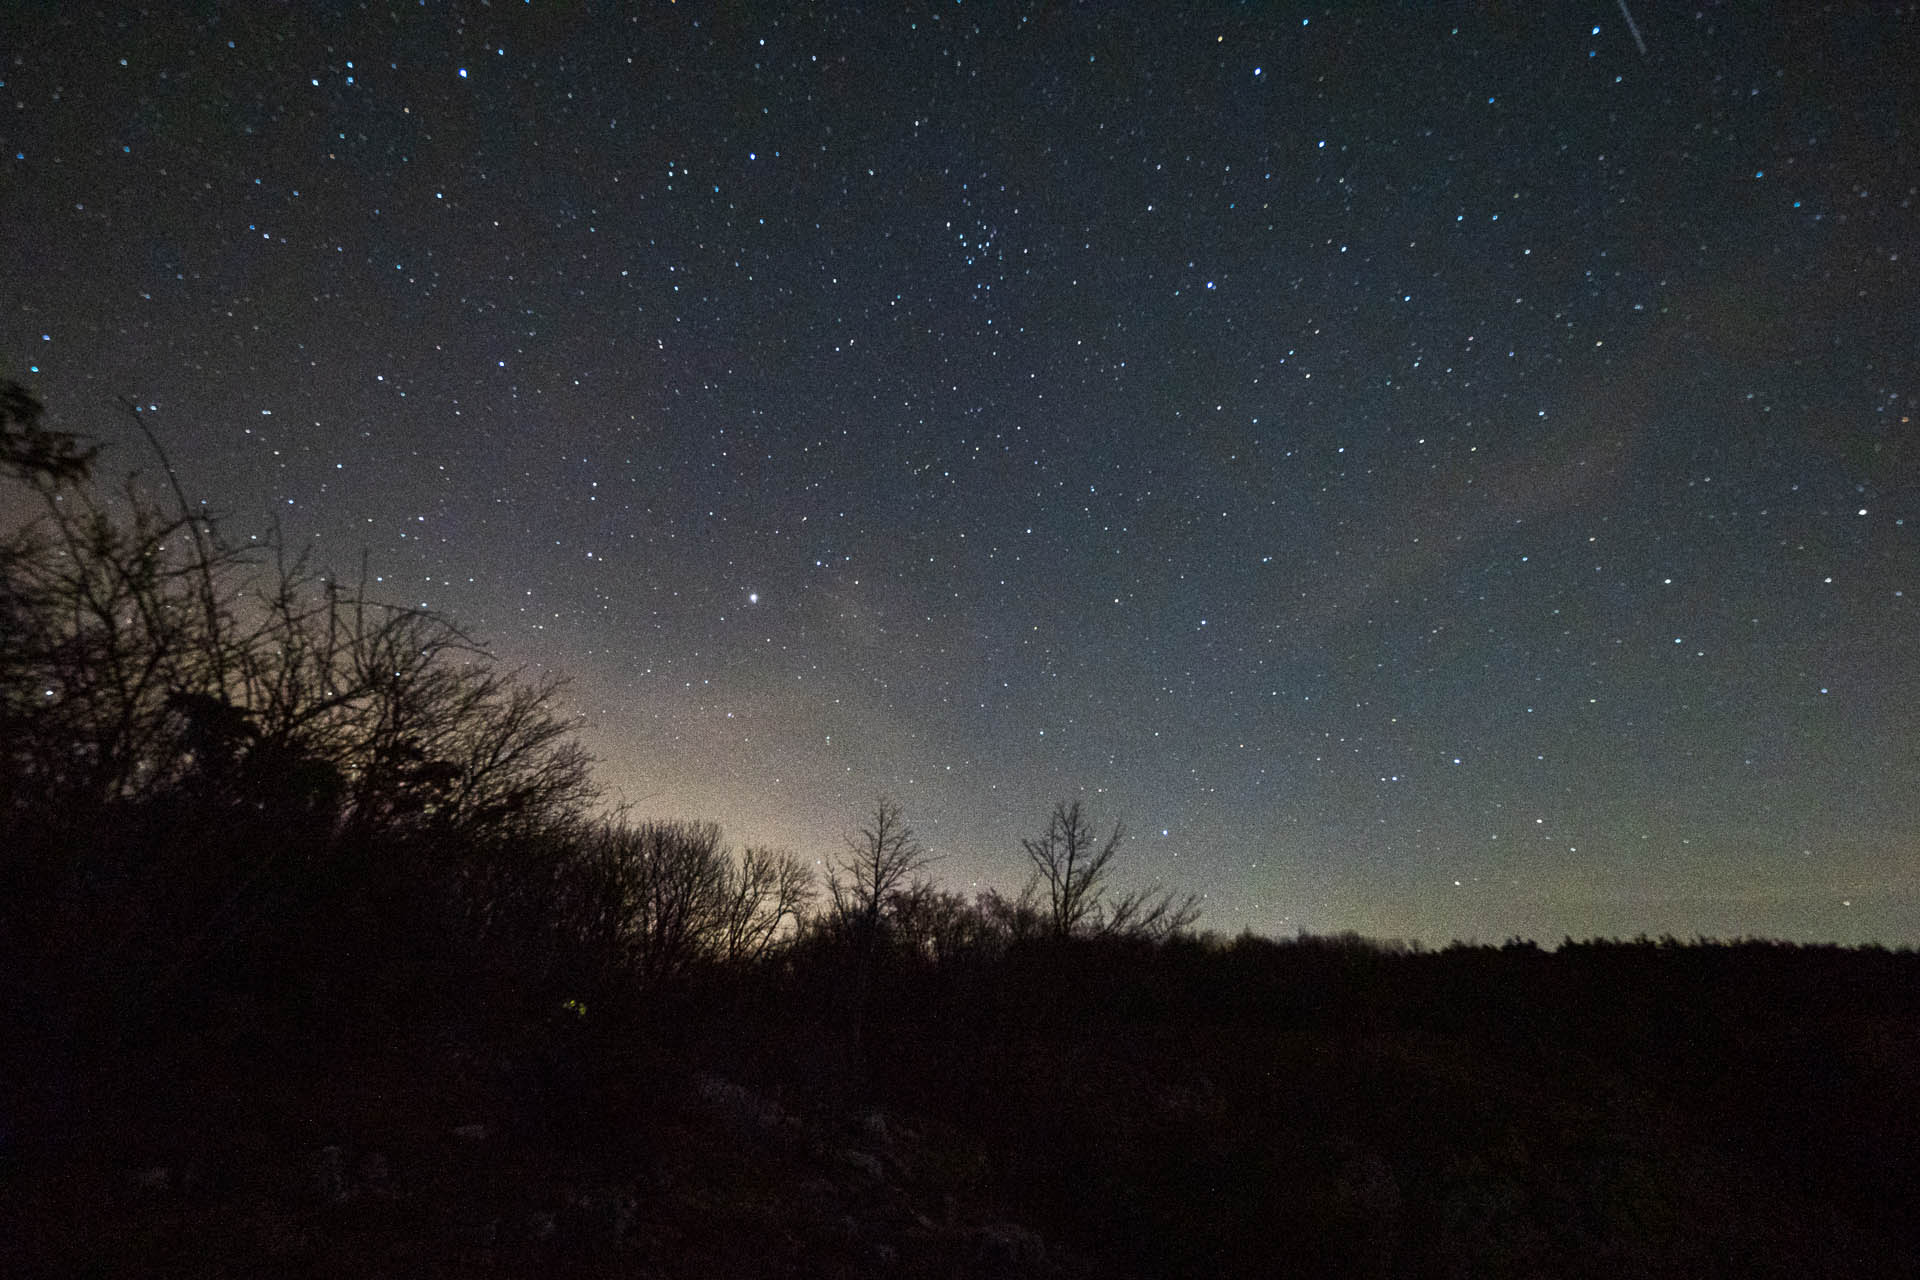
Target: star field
1441,475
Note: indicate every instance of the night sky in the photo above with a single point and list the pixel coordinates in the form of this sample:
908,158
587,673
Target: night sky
1438,474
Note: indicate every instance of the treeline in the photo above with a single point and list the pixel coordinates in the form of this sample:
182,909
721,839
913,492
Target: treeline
247,799
1333,1106
261,833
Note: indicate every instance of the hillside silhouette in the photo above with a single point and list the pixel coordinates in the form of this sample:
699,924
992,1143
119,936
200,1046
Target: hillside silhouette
320,956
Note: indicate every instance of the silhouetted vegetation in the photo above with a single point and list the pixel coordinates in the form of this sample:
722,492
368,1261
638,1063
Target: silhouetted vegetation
317,957
1071,870
231,781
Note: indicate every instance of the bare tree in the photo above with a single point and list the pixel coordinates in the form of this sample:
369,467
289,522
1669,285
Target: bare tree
879,862
1071,869
939,924
1007,920
144,653
764,891
645,903
42,458
202,740
647,897
867,886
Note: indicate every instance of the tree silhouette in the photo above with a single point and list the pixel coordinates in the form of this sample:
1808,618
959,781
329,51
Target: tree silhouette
45,459
864,881
765,891
940,925
1071,869
647,902
207,747
867,885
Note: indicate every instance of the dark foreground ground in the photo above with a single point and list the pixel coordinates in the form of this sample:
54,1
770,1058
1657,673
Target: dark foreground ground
1315,1108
